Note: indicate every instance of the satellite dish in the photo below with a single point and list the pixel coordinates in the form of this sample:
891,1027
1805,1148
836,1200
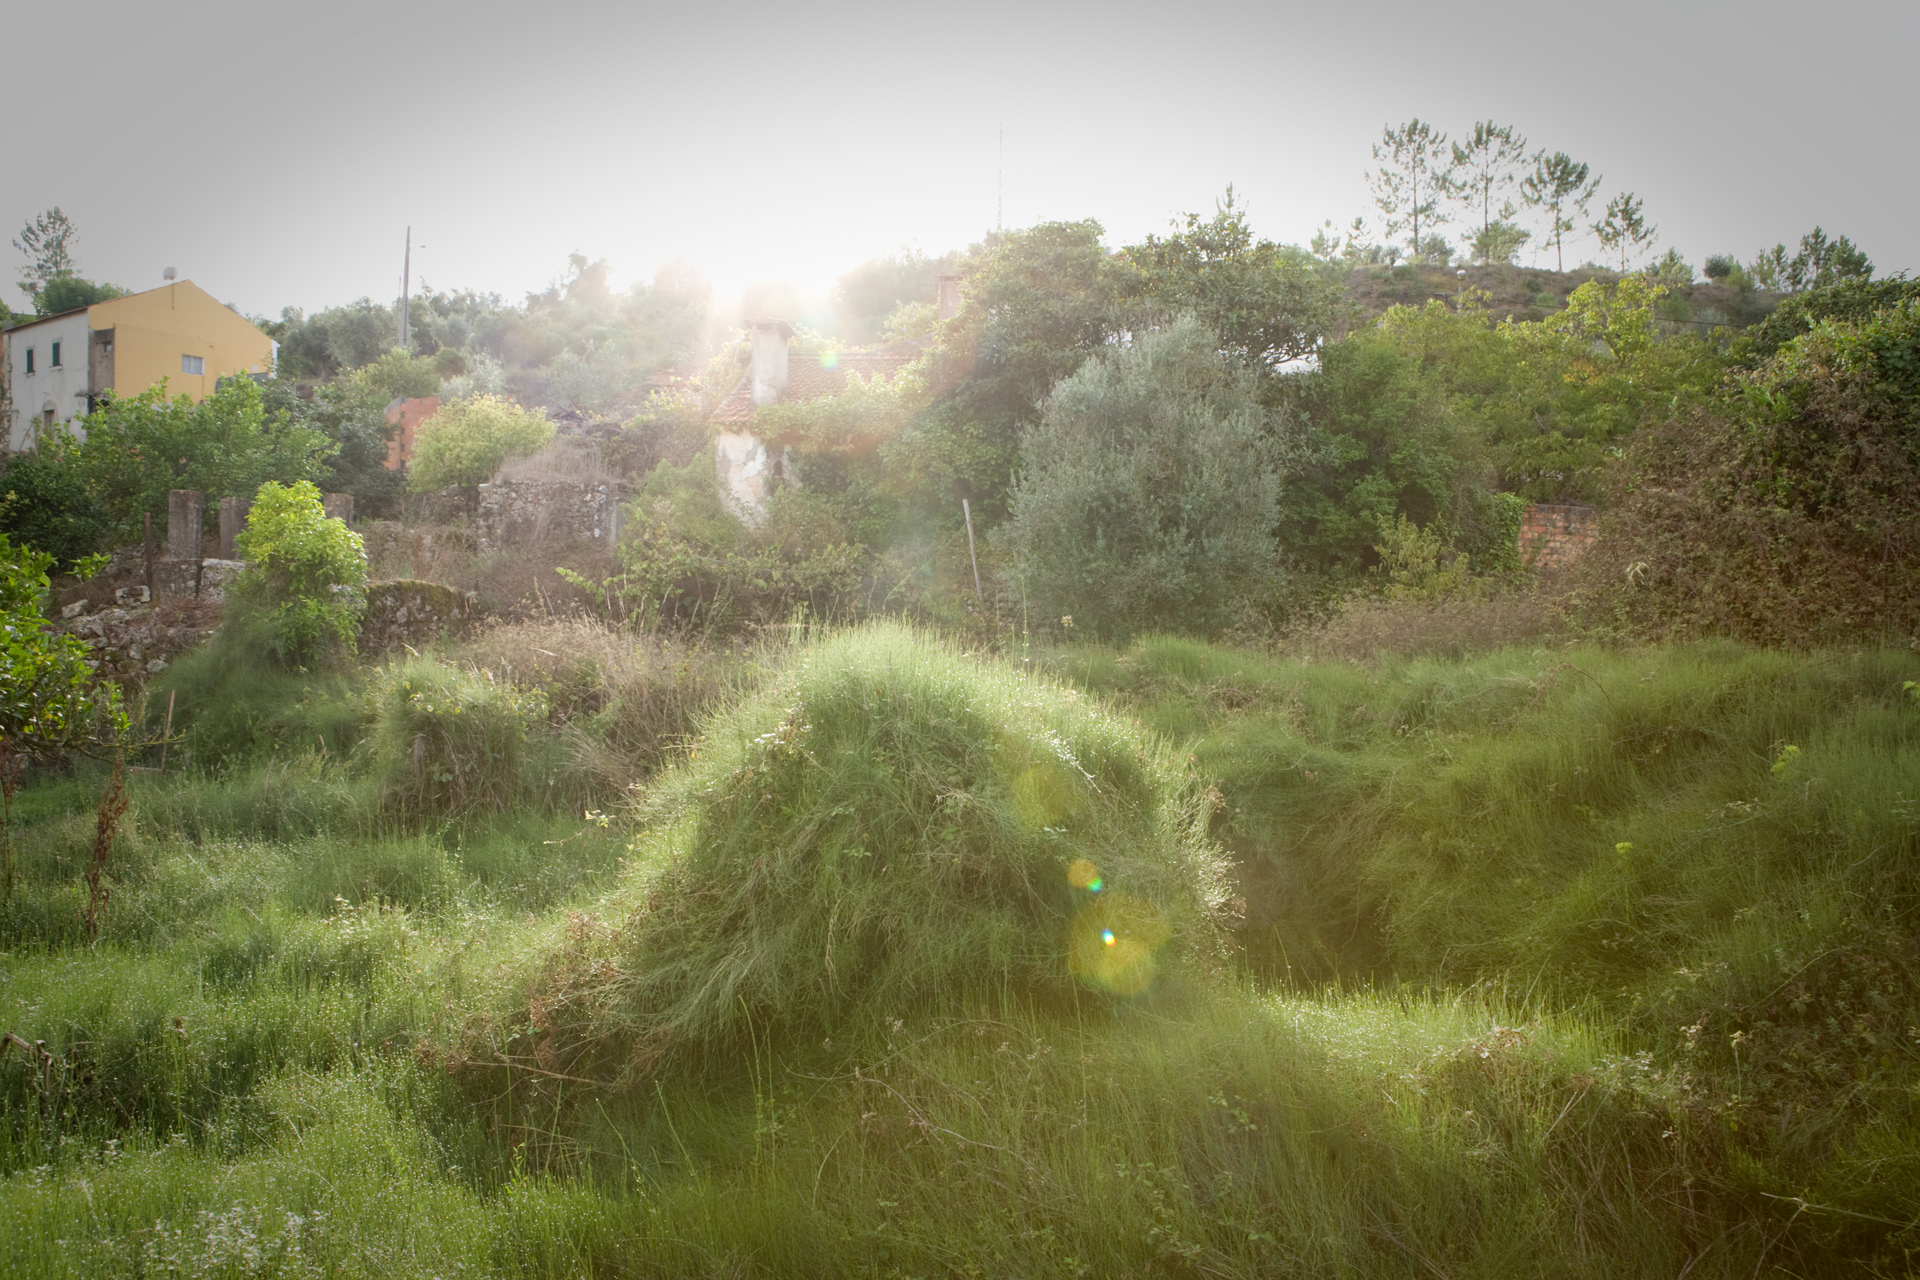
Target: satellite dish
168,274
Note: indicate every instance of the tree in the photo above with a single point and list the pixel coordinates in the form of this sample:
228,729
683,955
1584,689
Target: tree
1266,302
351,414
1499,242
1624,229
466,442
333,341
1373,435
1149,489
47,243
1038,302
1819,263
1786,511
1415,171
70,293
1486,165
399,375
587,381
137,449
1852,301
866,296
306,577
44,505
1559,185
1769,270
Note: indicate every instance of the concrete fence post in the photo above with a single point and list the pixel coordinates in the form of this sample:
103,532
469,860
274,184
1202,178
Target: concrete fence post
233,518
186,509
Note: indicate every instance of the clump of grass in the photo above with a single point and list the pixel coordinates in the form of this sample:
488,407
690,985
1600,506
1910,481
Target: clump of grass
233,701
1366,626
454,742
890,827
623,700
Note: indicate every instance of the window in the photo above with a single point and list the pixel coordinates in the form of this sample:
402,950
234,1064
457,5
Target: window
193,364
29,359
53,360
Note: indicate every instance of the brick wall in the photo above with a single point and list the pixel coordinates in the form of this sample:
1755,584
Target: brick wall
1553,536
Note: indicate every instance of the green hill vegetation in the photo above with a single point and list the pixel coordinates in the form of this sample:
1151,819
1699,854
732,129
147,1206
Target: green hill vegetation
1566,961
1132,803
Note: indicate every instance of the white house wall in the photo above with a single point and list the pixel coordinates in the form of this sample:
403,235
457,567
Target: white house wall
64,387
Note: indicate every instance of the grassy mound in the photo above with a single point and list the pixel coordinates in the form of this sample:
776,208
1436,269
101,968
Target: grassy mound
890,828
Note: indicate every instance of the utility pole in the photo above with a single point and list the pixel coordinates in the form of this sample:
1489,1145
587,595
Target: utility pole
406,288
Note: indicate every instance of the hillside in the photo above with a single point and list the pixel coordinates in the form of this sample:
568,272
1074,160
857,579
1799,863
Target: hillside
1530,293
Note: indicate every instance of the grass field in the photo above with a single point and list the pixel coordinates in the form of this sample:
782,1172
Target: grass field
1575,962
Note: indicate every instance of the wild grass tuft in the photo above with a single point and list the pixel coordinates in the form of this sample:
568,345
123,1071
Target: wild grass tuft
890,826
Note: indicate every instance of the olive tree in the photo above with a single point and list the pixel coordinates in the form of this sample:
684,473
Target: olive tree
1149,489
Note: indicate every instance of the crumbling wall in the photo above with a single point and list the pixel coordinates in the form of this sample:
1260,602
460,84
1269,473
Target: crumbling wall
412,613
1553,536
519,512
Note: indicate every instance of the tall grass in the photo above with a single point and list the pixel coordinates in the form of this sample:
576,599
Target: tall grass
1579,962
887,827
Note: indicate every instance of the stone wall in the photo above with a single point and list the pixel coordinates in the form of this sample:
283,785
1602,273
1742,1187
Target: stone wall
412,613
519,512
1553,536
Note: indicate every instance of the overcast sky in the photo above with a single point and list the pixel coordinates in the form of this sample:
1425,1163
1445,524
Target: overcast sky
276,154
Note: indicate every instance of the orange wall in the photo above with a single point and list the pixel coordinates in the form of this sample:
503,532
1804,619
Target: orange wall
152,330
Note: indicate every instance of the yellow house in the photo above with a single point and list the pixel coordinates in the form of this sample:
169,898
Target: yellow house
57,367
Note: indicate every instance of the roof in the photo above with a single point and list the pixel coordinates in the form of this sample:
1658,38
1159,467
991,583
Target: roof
118,297
58,315
821,374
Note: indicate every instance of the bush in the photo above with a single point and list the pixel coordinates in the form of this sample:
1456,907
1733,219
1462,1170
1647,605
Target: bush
466,442
235,701
889,828
449,742
306,577
44,505
622,702
50,702
688,559
1788,515
1149,490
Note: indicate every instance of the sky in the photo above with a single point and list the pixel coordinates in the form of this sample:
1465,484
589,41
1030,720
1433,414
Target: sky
277,155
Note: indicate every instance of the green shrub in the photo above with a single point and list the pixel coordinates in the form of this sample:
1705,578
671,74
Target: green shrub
1149,490
466,442
306,577
888,828
50,702
448,742
44,504
139,448
1789,513
689,560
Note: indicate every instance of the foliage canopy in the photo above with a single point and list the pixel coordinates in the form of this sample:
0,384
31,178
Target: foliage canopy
306,576
466,442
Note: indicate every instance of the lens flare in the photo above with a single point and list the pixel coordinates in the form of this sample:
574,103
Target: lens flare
1114,943
1082,874
1045,793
